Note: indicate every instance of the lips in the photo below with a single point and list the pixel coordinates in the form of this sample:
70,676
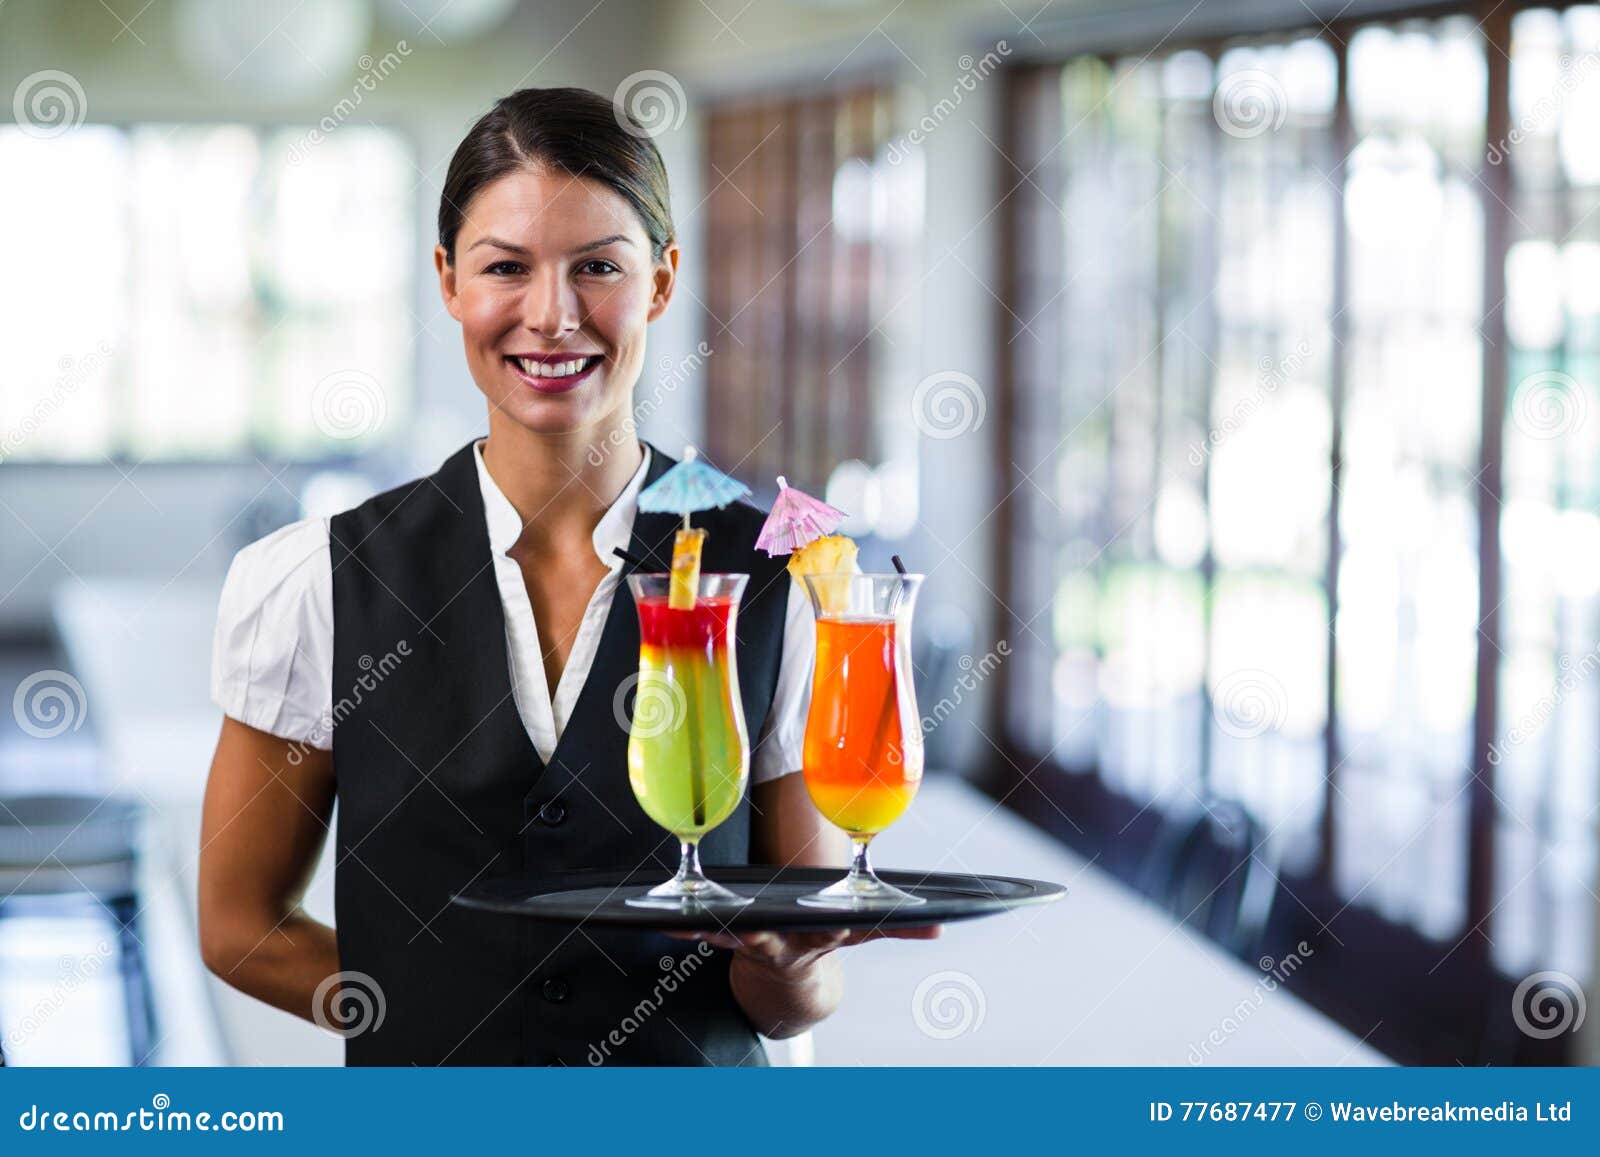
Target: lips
553,375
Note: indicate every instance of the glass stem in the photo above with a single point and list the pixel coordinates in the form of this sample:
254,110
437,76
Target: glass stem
689,864
860,868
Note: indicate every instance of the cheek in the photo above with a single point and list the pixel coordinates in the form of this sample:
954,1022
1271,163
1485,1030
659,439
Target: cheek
618,314
484,313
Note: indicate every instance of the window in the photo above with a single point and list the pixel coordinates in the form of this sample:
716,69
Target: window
1264,544
810,220
205,292
1547,776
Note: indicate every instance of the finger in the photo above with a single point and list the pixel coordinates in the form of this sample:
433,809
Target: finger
758,943
923,932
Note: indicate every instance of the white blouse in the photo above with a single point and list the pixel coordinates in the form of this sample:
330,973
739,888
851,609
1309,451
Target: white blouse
272,659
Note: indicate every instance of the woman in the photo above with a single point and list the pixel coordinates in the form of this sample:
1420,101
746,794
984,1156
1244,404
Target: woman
444,659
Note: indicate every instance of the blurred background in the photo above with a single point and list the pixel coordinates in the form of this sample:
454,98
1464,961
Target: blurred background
1229,367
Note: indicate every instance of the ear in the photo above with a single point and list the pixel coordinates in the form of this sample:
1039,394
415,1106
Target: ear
447,281
664,278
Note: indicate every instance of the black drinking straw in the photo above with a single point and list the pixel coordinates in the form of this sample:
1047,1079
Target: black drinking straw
891,707
691,696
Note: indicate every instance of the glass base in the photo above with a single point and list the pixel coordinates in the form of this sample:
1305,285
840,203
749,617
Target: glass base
861,890
689,889
860,893
702,893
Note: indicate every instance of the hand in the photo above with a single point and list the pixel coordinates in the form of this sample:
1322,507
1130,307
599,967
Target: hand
784,981
791,952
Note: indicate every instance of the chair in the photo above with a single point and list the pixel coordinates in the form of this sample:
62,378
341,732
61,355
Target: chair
58,852
1208,867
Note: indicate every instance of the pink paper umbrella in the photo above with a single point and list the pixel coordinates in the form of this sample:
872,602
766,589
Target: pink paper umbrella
796,520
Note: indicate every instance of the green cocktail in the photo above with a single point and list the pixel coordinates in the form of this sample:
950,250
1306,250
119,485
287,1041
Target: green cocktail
688,751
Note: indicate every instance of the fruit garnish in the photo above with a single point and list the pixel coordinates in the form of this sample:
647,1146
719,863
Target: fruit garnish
684,580
833,554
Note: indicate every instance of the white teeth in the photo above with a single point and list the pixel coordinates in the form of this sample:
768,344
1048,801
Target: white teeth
551,370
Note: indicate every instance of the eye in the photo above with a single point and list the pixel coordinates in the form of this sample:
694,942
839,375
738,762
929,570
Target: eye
598,267
503,268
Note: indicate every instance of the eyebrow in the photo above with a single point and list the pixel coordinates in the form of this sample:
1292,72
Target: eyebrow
512,247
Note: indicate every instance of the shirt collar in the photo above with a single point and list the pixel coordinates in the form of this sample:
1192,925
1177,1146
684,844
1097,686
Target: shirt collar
614,529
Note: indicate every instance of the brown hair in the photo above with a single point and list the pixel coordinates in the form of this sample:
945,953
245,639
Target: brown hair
572,129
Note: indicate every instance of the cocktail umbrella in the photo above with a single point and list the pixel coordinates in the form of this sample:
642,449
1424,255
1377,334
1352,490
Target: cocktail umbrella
796,520
689,486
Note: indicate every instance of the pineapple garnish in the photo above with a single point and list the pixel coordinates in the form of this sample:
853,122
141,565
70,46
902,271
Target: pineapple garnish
684,581
832,556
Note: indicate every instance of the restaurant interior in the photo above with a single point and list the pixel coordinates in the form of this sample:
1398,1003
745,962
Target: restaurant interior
1230,368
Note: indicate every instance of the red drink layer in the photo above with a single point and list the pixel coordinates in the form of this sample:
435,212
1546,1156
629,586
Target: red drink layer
702,628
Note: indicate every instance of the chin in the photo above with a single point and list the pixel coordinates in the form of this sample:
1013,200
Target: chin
549,415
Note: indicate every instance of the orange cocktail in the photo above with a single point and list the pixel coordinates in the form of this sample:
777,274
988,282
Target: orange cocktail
857,767
863,748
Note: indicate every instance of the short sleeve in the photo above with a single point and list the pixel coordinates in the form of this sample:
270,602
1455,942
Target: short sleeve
272,657
782,742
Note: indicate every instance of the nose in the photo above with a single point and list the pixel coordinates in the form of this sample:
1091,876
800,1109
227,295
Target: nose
550,306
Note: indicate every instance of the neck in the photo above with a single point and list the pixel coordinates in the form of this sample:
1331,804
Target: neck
559,484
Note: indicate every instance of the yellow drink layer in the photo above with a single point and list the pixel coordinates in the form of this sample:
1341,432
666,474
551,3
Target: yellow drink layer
861,809
685,576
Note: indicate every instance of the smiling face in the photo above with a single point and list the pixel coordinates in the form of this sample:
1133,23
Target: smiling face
554,284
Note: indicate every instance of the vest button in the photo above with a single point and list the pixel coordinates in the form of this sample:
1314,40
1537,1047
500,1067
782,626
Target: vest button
555,990
553,812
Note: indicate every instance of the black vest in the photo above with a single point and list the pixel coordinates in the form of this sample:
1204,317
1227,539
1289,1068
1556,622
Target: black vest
440,786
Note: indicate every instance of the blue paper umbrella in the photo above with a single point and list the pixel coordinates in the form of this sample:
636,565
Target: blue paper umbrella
691,485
